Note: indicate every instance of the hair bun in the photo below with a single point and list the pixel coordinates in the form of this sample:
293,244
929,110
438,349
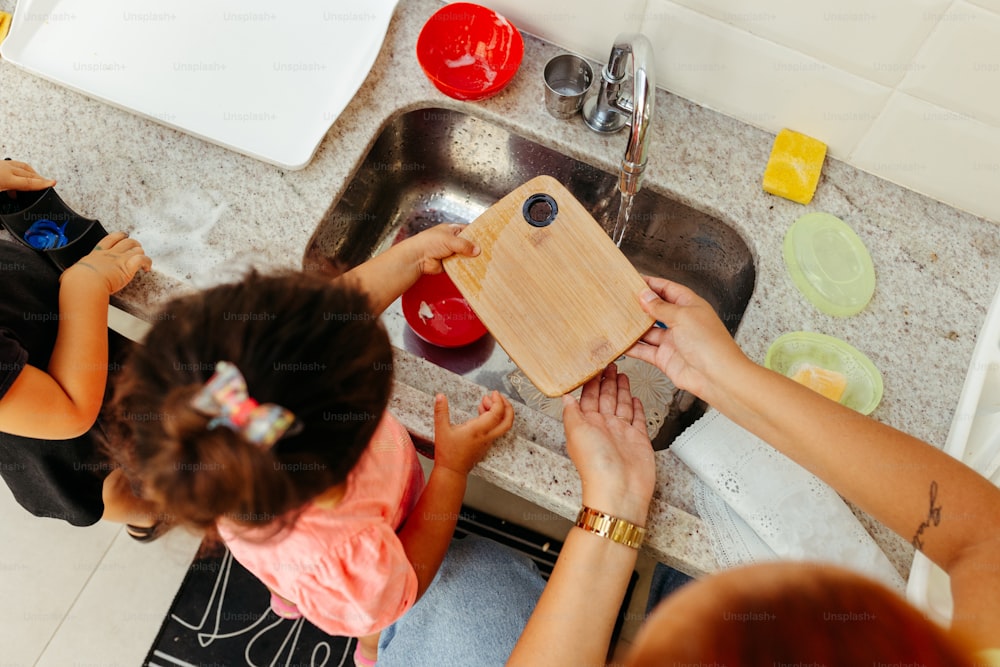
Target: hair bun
181,421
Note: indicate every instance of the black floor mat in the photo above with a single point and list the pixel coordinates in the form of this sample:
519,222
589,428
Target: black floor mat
221,614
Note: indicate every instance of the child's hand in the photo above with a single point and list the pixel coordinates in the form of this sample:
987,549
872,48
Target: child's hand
387,275
460,448
20,176
113,262
434,244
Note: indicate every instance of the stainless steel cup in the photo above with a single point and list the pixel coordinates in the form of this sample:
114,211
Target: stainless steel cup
567,80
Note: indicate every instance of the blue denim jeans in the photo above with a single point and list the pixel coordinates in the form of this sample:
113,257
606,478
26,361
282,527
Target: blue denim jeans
665,581
472,613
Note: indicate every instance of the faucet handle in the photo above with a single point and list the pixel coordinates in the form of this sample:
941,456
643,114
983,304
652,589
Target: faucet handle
610,105
618,101
600,107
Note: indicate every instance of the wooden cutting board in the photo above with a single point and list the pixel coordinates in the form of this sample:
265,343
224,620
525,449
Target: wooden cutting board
551,286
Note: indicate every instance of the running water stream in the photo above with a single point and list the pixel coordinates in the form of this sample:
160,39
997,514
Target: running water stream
624,210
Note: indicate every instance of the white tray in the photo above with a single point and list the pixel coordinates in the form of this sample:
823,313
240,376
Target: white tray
266,79
974,438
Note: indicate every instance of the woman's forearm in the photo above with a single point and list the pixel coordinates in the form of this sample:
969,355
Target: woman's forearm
942,507
607,440
573,621
922,494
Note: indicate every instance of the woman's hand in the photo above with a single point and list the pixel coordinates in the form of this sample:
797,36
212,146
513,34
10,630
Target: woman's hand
430,246
16,175
112,263
606,436
607,440
695,347
459,448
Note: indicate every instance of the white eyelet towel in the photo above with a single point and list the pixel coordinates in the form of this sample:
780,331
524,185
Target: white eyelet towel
761,505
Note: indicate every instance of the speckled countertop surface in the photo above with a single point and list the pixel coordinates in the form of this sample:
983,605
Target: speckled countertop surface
937,267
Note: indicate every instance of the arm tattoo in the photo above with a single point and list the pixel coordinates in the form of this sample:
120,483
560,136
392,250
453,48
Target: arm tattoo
933,519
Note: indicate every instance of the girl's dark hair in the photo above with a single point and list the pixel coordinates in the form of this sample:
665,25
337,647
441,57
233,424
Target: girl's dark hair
309,345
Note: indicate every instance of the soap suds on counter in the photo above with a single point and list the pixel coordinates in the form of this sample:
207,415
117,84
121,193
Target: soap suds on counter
174,232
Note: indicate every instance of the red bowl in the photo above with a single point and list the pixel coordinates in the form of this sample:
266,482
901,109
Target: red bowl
439,314
469,51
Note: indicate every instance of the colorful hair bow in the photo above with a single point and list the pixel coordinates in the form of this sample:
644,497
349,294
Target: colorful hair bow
225,397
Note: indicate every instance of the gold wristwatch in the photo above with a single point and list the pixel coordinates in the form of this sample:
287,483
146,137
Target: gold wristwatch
611,527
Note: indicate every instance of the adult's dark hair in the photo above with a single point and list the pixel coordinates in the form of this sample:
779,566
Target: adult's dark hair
793,613
302,342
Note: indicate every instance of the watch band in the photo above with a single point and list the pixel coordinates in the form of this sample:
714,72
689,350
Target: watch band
611,527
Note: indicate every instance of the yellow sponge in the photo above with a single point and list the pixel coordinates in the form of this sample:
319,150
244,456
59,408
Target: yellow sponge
828,383
4,24
793,169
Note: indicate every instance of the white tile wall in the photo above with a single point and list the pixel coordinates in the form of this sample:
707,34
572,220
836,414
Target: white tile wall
743,75
992,5
906,89
869,38
946,155
959,66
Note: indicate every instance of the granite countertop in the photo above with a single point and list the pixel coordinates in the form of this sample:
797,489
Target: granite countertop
937,267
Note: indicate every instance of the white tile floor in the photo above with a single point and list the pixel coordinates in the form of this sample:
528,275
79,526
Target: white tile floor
89,597
74,597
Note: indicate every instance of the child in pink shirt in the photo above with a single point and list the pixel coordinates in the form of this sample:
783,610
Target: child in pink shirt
342,562
259,409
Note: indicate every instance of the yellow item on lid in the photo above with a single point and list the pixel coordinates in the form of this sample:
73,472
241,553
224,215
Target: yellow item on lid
793,169
5,19
828,383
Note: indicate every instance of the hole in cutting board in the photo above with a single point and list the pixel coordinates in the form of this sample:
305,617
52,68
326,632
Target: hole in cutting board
540,210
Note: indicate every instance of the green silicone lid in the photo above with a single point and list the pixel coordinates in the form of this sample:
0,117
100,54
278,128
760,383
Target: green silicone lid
789,352
829,264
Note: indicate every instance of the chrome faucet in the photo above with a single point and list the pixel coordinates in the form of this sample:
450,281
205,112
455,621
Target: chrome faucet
611,106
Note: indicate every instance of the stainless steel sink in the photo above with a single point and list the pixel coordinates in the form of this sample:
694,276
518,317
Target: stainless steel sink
433,166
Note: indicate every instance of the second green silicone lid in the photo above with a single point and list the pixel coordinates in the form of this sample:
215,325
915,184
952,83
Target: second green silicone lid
829,264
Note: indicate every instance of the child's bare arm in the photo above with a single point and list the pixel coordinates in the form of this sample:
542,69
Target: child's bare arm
386,276
457,449
63,400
